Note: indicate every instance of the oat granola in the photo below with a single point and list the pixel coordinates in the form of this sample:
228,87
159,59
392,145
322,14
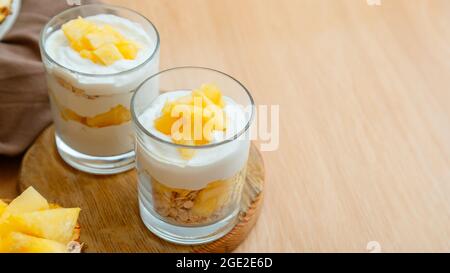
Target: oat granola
193,207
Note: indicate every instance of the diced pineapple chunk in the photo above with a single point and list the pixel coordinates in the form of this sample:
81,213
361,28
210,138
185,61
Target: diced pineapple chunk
129,50
16,242
53,224
164,190
5,229
89,55
3,206
76,29
213,93
30,200
115,116
164,124
204,208
212,198
95,40
108,54
107,29
68,114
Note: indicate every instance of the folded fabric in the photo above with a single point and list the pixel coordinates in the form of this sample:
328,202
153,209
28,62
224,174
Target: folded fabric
24,104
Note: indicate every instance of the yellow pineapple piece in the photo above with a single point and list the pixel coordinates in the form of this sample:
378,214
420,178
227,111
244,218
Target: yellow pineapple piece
89,55
196,93
5,229
212,198
30,200
107,29
97,39
16,242
129,50
53,224
164,124
115,116
76,29
68,114
108,54
212,110
210,94
213,93
204,208
216,116
86,54
164,190
3,206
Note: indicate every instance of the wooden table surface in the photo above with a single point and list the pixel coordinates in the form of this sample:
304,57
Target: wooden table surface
364,95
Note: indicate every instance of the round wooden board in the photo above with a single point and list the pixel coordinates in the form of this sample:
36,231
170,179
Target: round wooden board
110,220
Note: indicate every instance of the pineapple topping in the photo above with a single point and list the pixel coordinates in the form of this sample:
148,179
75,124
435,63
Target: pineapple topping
192,119
30,225
101,44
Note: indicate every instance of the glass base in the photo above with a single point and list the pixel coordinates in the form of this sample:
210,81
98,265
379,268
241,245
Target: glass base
184,235
94,164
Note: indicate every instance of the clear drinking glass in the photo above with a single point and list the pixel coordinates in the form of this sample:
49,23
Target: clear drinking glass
191,200
94,132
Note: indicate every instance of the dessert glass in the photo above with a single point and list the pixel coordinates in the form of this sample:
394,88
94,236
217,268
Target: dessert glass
93,128
196,200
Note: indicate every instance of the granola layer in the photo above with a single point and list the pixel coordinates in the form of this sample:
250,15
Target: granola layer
193,207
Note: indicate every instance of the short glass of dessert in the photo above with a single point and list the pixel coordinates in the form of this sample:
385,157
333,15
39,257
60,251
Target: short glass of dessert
95,57
192,146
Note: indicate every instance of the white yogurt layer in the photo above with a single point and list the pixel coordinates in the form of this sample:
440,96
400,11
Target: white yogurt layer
164,163
100,91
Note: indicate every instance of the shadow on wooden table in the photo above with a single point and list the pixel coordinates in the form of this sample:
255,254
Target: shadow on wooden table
9,170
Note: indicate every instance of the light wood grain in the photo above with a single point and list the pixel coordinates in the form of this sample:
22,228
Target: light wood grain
364,95
110,217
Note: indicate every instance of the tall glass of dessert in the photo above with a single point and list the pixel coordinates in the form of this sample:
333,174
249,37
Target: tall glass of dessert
192,146
95,57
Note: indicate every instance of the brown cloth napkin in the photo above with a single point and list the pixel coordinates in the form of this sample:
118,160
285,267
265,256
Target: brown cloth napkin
24,104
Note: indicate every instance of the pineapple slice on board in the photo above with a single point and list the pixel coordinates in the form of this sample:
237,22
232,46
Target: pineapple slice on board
30,200
16,242
28,224
54,224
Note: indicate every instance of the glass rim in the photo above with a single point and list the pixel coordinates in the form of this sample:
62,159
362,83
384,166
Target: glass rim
212,145
47,25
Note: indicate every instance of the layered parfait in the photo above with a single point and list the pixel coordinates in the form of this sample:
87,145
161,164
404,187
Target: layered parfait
186,184
94,64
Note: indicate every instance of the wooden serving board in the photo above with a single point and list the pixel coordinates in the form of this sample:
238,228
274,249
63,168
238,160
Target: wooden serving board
110,220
